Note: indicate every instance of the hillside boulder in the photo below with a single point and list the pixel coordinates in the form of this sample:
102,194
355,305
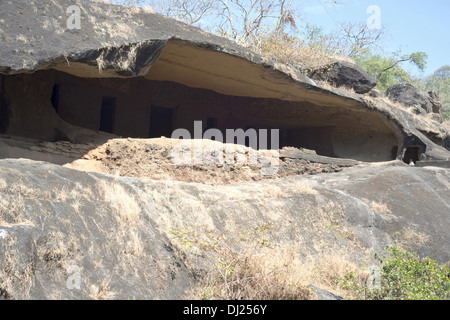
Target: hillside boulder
344,74
68,234
409,96
55,82
436,104
425,103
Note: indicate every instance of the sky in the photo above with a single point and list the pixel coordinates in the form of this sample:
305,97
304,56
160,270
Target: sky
413,25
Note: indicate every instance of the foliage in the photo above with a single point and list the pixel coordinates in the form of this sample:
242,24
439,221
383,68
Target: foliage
438,82
272,28
388,70
404,276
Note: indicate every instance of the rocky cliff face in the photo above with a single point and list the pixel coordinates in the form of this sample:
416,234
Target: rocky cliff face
114,233
130,52
106,229
422,103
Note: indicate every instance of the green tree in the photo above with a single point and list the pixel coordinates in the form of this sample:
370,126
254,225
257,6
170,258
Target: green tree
271,28
388,70
438,82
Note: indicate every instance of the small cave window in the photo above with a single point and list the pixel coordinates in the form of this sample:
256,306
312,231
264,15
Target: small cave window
412,154
4,114
55,97
108,114
161,122
247,138
394,152
211,123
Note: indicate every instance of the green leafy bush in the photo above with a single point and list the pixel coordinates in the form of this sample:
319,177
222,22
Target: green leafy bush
404,276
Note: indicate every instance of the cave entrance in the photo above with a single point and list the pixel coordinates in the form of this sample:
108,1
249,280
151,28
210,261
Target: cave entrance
55,97
143,108
412,154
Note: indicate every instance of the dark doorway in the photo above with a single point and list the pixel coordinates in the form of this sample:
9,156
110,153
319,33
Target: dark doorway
161,122
4,110
108,114
394,152
411,155
211,123
247,138
55,97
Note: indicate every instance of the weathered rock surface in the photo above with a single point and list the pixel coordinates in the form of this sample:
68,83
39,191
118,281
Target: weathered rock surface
408,95
344,74
425,103
68,234
325,295
153,159
127,43
435,103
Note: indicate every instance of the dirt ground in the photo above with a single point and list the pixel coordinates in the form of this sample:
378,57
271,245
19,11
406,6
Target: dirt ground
153,159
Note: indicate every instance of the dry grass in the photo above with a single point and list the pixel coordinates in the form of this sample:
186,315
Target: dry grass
279,274
344,58
291,50
446,124
125,207
13,204
244,266
255,278
16,273
327,86
410,110
12,211
274,192
3,185
408,238
58,248
327,216
71,193
382,102
304,187
380,207
102,291
388,101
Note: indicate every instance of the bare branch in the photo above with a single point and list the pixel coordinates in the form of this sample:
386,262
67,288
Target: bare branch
238,19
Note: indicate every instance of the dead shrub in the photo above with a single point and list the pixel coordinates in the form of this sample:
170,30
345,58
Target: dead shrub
102,291
288,49
244,266
239,268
